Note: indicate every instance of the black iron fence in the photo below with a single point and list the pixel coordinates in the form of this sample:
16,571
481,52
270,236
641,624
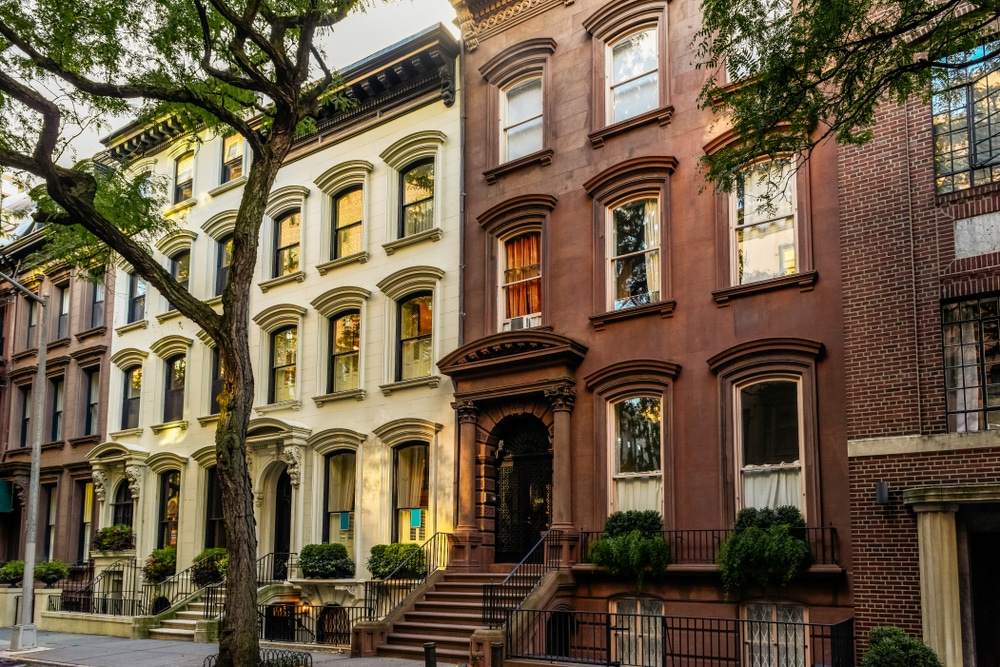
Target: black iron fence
499,600
273,657
701,547
298,623
275,568
114,592
631,640
384,595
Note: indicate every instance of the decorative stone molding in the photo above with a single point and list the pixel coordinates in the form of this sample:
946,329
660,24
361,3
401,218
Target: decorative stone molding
292,456
467,411
100,483
22,482
134,476
561,397
258,499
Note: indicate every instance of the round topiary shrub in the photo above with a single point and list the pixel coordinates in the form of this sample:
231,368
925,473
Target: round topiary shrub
161,565
50,571
767,547
209,567
386,558
325,561
12,572
891,647
632,546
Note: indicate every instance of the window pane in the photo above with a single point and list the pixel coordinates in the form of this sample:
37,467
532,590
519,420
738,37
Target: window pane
288,230
636,97
346,344
637,435
524,139
347,235
522,284
766,250
416,317
765,224
635,87
416,358
411,493
635,238
524,101
285,345
349,208
287,255
633,56
770,416
418,183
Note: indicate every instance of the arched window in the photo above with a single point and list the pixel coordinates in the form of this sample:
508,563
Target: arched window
287,230
348,214
170,495
411,492
340,485
416,322
416,198
345,351
123,506
638,468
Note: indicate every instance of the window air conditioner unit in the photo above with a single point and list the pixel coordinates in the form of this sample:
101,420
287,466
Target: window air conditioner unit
522,322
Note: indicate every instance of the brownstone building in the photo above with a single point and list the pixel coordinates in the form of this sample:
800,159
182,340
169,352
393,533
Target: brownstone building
633,340
76,397
921,275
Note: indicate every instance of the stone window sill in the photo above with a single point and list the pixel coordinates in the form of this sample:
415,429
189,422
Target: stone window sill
227,186
434,234
356,258
179,206
274,407
664,308
356,394
803,281
92,333
426,381
59,342
85,440
296,277
169,315
24,354
663,116
180,424
132,326
542,158
127,433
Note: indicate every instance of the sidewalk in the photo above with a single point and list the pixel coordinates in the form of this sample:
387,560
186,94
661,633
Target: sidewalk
61,649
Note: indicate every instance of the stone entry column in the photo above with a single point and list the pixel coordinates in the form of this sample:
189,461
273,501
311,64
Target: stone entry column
467,538
561,398
939,589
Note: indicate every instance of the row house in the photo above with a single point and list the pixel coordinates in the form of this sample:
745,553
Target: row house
355,302
74,413
920,239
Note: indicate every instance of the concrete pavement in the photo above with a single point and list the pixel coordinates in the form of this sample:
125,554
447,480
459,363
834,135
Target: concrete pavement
61,649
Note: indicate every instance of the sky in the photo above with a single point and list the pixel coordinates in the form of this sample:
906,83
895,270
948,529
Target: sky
358,36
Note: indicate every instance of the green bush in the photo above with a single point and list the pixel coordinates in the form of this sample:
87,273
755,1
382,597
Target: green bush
385,558
12,572
632,546
891,647
767,547
325,561
114,538
50,571
209,567
160,565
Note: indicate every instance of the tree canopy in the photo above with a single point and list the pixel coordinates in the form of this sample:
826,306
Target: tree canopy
787,76
246,66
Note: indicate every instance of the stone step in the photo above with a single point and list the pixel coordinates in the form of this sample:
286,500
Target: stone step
443,643
436,618
179,624
171,634
190,614
441,630
417,653
468,607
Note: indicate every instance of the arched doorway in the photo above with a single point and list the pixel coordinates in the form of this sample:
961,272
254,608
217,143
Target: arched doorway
524,485
282,525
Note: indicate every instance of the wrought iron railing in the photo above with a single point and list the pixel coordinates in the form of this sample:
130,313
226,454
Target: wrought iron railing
701,547
273,657
499,600
181,586
384,595
671,641
274,568
297,623
114,592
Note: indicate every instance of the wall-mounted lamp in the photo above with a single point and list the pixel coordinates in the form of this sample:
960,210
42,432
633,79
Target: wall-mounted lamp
881,493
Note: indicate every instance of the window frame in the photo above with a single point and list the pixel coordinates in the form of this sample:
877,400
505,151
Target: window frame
506,125
345,537
61,329
336,252
136,304
401,341
272,390
227,166
217,382
615,476
611,95
760,360
131,404
533,318
57,408
215,524
608,26
654,296
331,383
98,300
956,389
123,505
221,268
773,640
173,396
92,401
25,394
183,189
31,325
177,261
277,271
432,198
397,508
166,526
735,225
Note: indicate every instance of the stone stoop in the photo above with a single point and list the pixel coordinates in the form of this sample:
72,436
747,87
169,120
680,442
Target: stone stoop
183,625
447,615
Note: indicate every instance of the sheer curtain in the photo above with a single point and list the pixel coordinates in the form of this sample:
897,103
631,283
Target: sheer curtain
651,238
772,486
342,481
639,493
521,277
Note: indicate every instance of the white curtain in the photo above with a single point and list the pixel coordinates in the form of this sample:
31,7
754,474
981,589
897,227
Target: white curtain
639,493
410,476
772,486
651,238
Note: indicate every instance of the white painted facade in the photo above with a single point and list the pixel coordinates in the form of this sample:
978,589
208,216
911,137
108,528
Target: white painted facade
294,436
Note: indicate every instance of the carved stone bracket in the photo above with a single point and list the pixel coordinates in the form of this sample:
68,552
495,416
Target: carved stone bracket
134,476
561,397
22,482
258,499
467,411
100,483
292,456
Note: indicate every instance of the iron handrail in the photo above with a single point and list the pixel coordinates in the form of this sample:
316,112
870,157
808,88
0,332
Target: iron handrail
384,595
113,592
164,595
499,600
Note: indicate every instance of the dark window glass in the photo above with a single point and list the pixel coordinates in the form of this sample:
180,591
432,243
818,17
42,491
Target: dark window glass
130,397
971,333
30,340
215,532
26,406
184,178
218,381
91,407
62,318
170,495
173,397
136,298
57,397
123,506
223,259
180,269
97,296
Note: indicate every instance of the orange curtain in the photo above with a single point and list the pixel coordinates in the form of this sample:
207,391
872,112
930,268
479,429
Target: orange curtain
522,278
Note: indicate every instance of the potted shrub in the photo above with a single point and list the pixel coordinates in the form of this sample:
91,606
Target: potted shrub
160,565
325,561
632,545
12,572
50,571
209,567
114,538
385,558
767,547
891,647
